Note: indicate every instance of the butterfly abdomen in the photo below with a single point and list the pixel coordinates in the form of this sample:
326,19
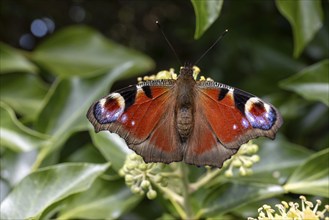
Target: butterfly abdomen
184,122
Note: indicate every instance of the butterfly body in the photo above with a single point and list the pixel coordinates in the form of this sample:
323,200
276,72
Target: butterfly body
184,109
199,122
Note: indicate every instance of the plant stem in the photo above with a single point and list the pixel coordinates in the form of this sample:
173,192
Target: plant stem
205,179
185,191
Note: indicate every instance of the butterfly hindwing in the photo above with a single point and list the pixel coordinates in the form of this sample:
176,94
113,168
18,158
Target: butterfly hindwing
203,147
143,115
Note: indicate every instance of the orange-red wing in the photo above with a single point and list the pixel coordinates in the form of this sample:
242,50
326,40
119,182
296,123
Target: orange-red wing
143,115
224,119
203,147
236,116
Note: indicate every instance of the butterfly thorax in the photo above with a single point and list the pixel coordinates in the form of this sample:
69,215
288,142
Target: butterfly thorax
185,105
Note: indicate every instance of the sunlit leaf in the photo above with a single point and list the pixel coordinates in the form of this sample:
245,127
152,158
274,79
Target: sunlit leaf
312,82
23,92
14,135
311,177
12,60
305,17
206,12
46,186
104,200
112,147
15,166
82,51
65,111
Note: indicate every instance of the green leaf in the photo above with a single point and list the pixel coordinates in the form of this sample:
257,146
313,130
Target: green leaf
233,195
87,153
12,60
112,147
311,177
15,166
46,186
104,200
23,92
82,51
278,159
14,135
312,82
206,12
305,17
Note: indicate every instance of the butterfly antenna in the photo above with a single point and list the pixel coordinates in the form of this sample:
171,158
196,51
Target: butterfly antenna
212,46
168,42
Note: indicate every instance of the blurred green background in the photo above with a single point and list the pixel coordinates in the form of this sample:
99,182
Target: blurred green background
57,57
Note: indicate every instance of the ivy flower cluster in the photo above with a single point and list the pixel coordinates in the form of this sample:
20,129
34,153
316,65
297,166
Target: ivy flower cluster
292,211
140,176
165,74
243,160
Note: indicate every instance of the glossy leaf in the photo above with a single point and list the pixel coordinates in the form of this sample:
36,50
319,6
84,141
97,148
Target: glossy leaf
312,82
278,159
46,186
82,51
311,177
104,200
233,195
15,166
23,92
206,13
67,107
87,153
14,135
305,17
112,147
12,60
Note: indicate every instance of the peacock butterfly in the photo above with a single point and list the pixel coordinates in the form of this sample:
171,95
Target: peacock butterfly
199,122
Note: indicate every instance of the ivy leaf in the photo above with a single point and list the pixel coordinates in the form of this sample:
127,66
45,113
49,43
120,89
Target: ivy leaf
305,17
312,82
14,135
112,147
68,104
103,200
312,177
82,51
41,189
206,12
23,92
232,195
13,61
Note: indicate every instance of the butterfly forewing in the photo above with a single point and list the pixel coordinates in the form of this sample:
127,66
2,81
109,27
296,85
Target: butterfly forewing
143,115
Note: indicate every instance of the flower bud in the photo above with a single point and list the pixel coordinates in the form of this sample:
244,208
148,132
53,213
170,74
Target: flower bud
151,194
145,184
